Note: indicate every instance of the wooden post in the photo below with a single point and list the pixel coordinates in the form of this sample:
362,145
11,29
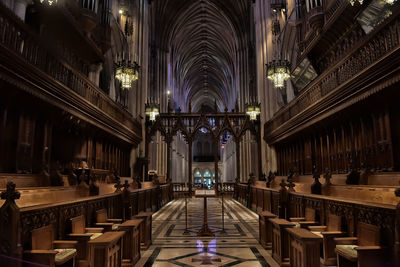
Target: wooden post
189,141
216,142
146,153
9,225
237,143
168,160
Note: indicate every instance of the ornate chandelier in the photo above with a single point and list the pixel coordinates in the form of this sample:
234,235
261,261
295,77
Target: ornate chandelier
49,2
152,110
253,110
127,72
278,71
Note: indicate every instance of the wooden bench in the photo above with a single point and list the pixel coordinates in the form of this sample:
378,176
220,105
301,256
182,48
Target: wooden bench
106,250
83,235
304,248
363,250
328,233
280,240
103,221
265,231
50,252
145,229
131,241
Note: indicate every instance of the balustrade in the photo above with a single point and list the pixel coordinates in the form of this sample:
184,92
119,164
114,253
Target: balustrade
16,38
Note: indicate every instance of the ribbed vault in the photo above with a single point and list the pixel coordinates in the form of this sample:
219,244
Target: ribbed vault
203,38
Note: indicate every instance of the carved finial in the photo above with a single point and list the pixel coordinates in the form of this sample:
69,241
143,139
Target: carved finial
283,184
226,109
118,186
215,106
190,107
179,110
397,192
271,178
10,194
291,185
126,185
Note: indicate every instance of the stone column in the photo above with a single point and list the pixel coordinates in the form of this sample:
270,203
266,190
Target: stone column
168,159
20,8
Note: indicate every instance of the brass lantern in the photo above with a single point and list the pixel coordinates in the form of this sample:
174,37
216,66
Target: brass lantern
278,71
127,72
152,110
253,110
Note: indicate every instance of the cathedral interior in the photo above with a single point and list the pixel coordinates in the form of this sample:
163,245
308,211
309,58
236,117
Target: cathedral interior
199,133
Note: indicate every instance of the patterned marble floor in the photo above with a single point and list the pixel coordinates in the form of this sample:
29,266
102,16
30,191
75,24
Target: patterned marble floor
237,247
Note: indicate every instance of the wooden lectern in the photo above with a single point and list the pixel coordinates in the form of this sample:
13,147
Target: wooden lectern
205,193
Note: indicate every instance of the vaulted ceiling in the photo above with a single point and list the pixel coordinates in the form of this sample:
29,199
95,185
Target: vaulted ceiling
203,38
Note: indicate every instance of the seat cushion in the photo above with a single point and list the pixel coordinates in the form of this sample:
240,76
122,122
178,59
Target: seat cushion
64,254
347,251
115,227
95,235
317,233
297,224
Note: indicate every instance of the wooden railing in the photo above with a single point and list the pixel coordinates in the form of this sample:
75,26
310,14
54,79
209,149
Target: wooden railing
292,204
18,41
123,204
342,79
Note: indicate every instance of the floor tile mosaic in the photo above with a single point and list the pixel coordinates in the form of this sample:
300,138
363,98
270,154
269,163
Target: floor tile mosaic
235,242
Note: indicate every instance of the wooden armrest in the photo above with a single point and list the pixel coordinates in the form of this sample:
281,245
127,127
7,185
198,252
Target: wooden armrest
94,230
332,233
317,228
297,219
80,237
368,248
41,251
64,243
309,223
115,220
104,224
346,240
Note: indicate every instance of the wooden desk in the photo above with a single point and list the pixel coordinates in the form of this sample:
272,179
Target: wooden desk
265,231
131,241
106,250
145,229
304,248
280,240
205,193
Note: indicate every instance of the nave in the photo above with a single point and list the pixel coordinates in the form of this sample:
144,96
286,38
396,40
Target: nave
238,247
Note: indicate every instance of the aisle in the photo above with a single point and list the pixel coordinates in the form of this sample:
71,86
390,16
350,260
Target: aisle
238,247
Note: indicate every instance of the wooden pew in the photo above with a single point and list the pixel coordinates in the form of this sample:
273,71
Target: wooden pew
328,233
50,252
106,250
280,240
131,242
145,229
265,231
103,221
363,250
83,235
304,248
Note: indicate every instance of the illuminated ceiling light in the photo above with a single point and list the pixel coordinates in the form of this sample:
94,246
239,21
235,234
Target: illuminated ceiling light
168,92
389,2
48,2
278,71
127,72
121,11
352,2
152,110
253,110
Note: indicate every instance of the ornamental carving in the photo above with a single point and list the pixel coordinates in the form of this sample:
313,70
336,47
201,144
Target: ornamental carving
340,209
377,216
